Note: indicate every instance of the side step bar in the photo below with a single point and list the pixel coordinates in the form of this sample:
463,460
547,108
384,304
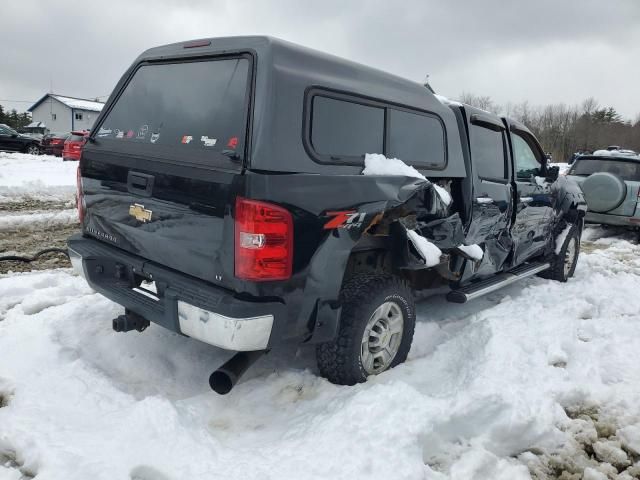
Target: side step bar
492,284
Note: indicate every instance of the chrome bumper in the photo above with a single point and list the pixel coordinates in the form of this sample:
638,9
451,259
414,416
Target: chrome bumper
239,334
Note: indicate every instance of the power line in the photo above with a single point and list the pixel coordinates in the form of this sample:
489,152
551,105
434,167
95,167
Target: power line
16,101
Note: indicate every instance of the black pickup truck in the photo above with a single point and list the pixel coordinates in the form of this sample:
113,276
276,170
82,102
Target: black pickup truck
222,196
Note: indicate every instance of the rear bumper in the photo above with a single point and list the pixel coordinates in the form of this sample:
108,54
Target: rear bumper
617,220
182,304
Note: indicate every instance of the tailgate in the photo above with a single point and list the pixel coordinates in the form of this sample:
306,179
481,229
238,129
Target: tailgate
173,220
158,175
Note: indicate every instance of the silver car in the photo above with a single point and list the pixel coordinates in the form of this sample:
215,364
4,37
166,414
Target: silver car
610,180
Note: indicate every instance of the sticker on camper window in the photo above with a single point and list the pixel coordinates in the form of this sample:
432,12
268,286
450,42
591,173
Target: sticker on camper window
119,133
155,137
208,142
186,139
233,142
130,134
104,132
142,132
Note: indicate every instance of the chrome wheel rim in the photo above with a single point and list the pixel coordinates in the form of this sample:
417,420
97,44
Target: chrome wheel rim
382,337
570,256
32,150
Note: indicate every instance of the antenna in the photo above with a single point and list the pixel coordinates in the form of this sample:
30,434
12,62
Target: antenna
426,84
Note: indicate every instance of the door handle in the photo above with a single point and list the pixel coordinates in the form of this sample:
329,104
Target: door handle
526,199
140,183
484,200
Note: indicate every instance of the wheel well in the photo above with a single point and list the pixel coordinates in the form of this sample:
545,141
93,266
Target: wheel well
383,261
369,261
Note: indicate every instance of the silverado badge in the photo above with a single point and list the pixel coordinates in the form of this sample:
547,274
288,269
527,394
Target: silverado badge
140,213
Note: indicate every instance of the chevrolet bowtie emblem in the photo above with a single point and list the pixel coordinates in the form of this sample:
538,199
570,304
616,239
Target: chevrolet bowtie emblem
140,213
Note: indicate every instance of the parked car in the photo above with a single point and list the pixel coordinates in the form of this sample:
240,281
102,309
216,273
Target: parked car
53,143
73,145
35,130
610,180
12,141
254,226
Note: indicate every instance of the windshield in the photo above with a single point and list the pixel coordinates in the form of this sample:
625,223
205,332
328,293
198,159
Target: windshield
7,130
192,112
628,170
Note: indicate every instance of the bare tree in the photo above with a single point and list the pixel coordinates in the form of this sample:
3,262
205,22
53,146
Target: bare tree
564,129
481,102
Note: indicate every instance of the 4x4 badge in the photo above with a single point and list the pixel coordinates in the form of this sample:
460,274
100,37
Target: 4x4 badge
140,213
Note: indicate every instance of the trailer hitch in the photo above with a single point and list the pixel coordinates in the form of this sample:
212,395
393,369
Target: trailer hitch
130,321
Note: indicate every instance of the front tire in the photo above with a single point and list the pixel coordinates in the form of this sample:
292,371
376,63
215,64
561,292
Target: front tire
33,150
563,265
376,329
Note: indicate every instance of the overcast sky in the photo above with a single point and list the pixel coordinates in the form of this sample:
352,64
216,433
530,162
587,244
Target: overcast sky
544,51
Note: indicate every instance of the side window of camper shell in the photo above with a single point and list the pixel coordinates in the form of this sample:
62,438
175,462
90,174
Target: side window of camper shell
342,129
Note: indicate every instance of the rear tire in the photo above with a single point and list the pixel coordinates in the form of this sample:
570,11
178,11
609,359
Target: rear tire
563,264
376,329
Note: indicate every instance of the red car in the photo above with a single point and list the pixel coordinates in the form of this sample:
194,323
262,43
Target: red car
73,145
53,143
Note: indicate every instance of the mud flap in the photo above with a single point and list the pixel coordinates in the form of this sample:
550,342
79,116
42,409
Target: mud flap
327,321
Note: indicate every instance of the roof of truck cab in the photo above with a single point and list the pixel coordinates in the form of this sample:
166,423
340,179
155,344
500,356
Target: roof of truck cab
285,72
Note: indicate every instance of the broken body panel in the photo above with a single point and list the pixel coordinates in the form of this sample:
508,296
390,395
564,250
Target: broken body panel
161,219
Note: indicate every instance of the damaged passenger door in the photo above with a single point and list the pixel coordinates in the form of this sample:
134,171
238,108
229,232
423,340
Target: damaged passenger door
492,194
533,217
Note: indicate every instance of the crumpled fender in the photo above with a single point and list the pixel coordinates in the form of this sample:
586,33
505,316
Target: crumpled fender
414,204
338,212
568,196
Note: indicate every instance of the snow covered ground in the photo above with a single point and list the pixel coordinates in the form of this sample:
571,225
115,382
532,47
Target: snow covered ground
39,177
533,378
539,380
37,208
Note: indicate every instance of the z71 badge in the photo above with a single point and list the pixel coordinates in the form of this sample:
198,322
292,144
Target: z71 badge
344,219
140,213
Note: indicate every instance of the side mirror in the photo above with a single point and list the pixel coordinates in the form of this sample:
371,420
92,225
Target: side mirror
552,174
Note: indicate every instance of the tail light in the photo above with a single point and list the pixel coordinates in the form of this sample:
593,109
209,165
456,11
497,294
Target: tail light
81,205
263,241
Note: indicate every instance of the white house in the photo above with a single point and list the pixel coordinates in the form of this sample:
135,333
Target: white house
64,114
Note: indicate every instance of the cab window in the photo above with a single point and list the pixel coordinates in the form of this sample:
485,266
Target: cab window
487,147
526,161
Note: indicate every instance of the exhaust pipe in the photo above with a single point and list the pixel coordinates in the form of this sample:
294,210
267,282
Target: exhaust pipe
225,378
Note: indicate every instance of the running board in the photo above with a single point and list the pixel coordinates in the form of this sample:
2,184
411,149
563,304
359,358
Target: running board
496,282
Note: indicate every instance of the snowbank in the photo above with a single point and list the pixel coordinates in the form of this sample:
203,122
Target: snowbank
485,381
378,164
40,177
562,167
37,220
